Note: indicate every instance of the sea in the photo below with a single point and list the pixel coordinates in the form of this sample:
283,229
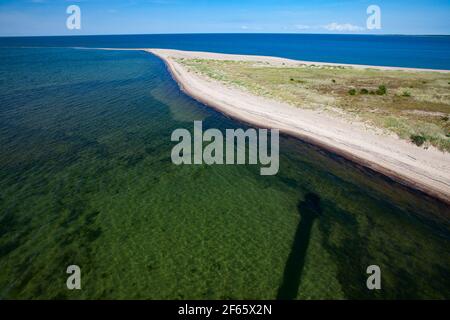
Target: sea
86,179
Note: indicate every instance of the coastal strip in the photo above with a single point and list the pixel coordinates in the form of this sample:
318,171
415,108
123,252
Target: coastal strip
425,170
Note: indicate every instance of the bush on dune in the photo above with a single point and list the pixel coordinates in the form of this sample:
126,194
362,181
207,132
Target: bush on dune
418,140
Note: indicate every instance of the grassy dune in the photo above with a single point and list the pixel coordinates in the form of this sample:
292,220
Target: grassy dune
413,105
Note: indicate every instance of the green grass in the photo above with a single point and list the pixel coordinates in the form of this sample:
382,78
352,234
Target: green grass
377,97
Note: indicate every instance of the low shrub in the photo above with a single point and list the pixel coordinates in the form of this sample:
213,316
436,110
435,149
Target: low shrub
297,81
352,92
364,91
381,90
418,140
406,94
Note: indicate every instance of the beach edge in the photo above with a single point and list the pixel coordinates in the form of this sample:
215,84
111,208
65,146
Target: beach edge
406,180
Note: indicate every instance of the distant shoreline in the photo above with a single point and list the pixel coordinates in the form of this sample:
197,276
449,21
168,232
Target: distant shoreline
425,170
286,60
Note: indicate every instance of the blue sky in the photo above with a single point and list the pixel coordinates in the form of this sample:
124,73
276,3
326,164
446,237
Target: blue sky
48,17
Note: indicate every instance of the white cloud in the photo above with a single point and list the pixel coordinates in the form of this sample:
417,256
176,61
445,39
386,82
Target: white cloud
333,27
342,27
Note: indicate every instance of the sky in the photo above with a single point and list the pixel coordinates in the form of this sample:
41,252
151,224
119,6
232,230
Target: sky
48,17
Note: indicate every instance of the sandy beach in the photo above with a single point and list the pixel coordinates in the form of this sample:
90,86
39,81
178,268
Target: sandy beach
424,170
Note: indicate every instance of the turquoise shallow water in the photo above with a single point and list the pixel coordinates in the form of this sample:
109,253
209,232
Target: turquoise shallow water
86,178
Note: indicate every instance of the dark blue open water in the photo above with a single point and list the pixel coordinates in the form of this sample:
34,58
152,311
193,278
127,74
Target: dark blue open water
386,50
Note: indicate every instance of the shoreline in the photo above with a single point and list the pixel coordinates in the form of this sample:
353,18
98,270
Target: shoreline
427,171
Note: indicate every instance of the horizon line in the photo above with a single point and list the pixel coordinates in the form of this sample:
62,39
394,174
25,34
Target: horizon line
230,33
